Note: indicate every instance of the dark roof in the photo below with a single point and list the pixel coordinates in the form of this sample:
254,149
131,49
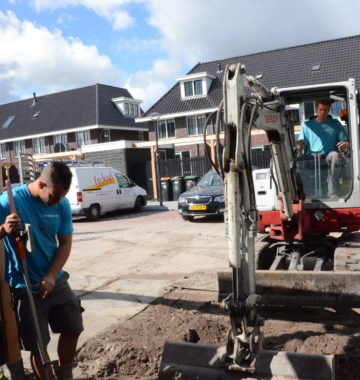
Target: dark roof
80,107
339,60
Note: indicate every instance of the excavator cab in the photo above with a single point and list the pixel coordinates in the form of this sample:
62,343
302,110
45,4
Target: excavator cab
313,168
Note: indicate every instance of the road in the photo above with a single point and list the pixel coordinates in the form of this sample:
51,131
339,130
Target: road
120,263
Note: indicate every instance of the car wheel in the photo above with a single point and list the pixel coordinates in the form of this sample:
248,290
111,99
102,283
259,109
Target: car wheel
138,204
187,218
94,212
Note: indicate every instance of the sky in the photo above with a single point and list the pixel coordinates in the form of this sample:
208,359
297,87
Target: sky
48,46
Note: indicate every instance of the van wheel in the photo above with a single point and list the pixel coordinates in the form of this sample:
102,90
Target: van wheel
94,212
138,204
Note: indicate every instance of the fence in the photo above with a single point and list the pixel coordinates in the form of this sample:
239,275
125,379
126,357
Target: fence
197,166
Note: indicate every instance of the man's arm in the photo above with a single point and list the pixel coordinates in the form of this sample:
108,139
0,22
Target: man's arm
62,254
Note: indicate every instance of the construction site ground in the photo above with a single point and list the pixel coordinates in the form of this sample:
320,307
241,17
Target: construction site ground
147,277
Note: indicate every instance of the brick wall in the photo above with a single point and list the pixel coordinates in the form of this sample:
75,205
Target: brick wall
114,158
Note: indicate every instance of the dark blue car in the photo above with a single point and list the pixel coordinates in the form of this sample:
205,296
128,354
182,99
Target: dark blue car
204,199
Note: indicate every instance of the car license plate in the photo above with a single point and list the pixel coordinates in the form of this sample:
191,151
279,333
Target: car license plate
197,207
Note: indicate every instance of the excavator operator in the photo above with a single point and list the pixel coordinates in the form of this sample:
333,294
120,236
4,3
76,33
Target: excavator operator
324,137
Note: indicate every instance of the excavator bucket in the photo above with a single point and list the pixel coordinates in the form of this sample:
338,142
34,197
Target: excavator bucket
195,361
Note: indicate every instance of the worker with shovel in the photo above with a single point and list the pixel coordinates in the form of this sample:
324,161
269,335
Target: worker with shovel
42,205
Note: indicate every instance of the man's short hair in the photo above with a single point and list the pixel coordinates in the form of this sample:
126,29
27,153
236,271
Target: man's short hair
57,173
324,101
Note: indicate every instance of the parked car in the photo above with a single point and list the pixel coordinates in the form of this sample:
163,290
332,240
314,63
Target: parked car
204,199
95,191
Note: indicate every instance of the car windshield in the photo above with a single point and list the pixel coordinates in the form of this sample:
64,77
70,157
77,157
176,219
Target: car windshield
210,179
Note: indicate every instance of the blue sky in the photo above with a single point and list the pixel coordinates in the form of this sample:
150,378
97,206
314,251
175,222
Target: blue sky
143,45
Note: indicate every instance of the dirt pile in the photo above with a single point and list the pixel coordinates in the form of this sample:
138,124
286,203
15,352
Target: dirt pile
133,349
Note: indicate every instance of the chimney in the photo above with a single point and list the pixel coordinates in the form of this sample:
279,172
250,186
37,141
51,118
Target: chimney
35,99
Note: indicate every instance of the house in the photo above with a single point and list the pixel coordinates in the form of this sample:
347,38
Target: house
182,112
59,124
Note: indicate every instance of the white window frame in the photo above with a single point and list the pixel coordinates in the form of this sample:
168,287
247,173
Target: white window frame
19,146
131,109
61,139
166,129
196,117
181,153
4,151
83,138
39,145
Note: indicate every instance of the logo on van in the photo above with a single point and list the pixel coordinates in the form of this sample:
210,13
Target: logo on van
101,181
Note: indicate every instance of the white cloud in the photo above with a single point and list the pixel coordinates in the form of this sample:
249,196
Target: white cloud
203,30
152,84
37,60
112,10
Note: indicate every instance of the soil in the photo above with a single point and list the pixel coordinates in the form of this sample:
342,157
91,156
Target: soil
132,349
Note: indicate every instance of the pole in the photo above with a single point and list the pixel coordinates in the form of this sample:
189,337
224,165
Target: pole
157,162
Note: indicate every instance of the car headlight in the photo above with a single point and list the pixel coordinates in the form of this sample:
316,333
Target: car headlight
220,199
182,199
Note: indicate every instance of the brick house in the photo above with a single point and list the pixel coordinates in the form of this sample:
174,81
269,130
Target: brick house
64,122
182,112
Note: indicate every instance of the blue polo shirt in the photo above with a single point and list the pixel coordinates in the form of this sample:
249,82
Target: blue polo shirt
47,222
322,137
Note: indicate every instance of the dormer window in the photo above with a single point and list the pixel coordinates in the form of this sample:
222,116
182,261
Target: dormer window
193,88
129,107
195,85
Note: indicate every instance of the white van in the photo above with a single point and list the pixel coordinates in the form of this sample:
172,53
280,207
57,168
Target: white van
95,191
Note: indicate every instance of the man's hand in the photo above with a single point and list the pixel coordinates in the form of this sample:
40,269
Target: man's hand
343,145
46,285
11,225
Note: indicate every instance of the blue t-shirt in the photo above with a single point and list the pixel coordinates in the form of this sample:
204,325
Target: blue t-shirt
322,137
47,222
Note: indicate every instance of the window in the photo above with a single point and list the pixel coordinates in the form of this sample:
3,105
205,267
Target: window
105,136
131,110
8,121
336,107
83,138
195,125
183,154
60,143
3,151
39,146
193,88
19,147
309,110
122,181
198,90
166,129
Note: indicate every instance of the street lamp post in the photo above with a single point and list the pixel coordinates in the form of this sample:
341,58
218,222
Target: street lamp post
155,117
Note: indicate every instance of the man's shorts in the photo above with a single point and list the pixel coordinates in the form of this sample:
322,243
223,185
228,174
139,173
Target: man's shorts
61,310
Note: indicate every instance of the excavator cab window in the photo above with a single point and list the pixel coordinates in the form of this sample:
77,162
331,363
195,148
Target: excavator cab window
326,178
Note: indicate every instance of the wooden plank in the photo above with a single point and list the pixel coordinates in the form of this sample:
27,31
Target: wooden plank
11,344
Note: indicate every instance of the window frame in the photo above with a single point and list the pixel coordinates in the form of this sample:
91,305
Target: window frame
4,148
19,147
196,118
85,136
166,123
39,145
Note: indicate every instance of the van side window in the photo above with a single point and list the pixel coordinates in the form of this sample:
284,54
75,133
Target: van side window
122,181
